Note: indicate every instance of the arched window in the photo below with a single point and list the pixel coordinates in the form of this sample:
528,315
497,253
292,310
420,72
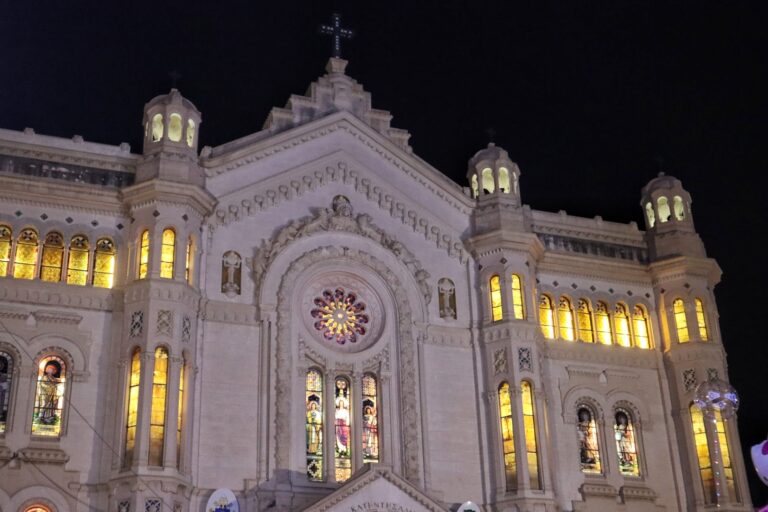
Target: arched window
132,409
26,255
507,436
640,324
649,213
517,297
589,446
529,422
37,508
504,180
157,127
180,416
6,240
621,323
488,184
342,427
626,444
104,263
585,322
6,380
702,453
144,254
48,410
679,208
546,317
496,307
370,420
565,319
53,257
603,321
725,455
190,133
77,266
446,292
188,259
664,213
159,405
174,127
701,319
475,187
167,253
681,323
314,405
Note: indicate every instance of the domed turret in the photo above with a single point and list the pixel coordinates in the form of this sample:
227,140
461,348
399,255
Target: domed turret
492,172
171,122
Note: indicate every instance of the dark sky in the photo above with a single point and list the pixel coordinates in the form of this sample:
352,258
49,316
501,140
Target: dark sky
590,98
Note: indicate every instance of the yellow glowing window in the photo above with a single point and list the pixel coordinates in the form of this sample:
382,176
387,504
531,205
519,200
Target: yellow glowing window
702,453
529,421
180,417
6,239
702,320
48,410
725,454
475,188
190,132
167,254
565,319
664,213
679,208
603,321
621,323
26,255
640,323
157,127
546,317
133,407
488,183
504,180
314,425
681,323
104,263
157,415
370,420
52,258
174,127
507,436
649,213
496,307
517,297
77,268
585,322
144,254
188,261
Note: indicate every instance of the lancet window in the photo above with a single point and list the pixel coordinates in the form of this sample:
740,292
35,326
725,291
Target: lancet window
518,309
702,453
157,127
488,181
681,323
701,319
104,263
664,213
497,308
190,132
546,317
621,324
188,261
507,436
640,324
77,266
174,127
504,180
6,241
143,253
370,420
180,415
132,409
6,381
167,253
679,208
565,319
342,427
626,443
603,321
589,446
531,445
48,410
584,315
725,455
52,258
314,425
159,404
25,263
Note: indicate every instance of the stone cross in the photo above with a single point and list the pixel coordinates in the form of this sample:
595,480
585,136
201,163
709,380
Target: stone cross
337,33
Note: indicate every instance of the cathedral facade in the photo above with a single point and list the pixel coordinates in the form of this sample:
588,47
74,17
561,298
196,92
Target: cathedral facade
313,318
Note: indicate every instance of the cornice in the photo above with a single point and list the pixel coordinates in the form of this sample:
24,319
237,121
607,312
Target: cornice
55,294
69,196
595,267
679,267
498,241
159,191
125,162
515,330
695,351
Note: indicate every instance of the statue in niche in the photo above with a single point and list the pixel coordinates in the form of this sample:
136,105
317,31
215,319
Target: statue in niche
231,264
447,302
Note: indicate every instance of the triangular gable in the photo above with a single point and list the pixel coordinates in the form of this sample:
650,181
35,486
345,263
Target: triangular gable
376,488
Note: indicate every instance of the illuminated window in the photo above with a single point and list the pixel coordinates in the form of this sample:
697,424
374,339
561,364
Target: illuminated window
565,319
488,184
180,417
370,420
342,427
664,213
49,397
144,254
157,415
104,263
190,132
6,240
702,453
649,213
546,317
529,422
37,508
603,321
314,424
504,180
640,323
517,297
626,444
585,322
621,323
701,320
157,127
681,323
725,454
475,188
52,258
507,436
188,261
167,254
77,267
6,377
26,255
679,208
132,406
496,307
174,127
589,447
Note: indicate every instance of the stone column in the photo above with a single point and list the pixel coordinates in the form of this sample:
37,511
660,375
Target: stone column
171,412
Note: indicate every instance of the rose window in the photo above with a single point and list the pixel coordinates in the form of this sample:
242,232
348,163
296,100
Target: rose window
340,316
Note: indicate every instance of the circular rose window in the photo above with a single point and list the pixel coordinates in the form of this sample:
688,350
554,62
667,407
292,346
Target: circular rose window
340,316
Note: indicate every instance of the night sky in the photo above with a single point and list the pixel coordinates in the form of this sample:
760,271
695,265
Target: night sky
591,99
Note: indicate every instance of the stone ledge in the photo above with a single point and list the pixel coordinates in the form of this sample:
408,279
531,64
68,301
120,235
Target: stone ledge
40,454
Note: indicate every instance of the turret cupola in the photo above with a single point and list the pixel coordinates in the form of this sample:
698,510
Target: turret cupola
171,123
492,172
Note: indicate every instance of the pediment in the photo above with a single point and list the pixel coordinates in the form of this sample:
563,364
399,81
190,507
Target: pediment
376,488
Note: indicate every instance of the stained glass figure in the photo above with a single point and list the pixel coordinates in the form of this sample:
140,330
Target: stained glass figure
546,317
589,449
49,397
585,322
343,435
104,263
314,405
6,239
517,297
144,253
157,415
6,377
167,253
339,316
370,420
565,319
640,323
26,255
53,258
77,267
621,323
603,321
132,414
507,436
626,446
529,422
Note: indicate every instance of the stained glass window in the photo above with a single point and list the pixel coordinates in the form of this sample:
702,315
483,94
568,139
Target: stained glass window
681,323
104,263
132,413
701,320
640,323
517,296
6,239
342,426
702,453
585,322
589,448
529,422
6,378
497,309
188,261
565,319
507,436
167,253
626,444
603,321
77,268
340,316
314,405
370,420
53,258
49,397
621,323
180,418
546,317
144,254
26,255
725,454
157,415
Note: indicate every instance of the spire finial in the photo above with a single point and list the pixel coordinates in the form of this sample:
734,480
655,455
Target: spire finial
336,32
491,133
175,76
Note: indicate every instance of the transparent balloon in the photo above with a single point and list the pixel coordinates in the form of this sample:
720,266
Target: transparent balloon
716,395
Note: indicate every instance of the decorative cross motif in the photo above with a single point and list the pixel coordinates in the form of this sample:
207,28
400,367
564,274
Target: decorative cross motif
337,33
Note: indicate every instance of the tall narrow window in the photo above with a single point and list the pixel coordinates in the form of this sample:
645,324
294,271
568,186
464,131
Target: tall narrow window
507,436
26,255
664,213
496,307
701,319
157,127
504,180
314,405
190,132
702,453
52,258
475,188
343,452
180,417
174,127
626,444
370,420
6,239
167,253
681,323
565,319
531,448
6,378
640,323
77,267
589,447
488,183
188,261
49,397
725,455
585,322
621,323
144,254
517,297
104,263
603,321
679,208
649,213
157,416
132,414
546,317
